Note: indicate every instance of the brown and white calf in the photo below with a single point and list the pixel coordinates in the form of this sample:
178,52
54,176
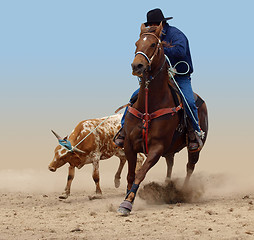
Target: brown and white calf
97,146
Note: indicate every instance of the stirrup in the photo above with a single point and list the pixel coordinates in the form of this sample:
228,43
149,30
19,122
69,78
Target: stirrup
117,134
120,137
199,136
191,146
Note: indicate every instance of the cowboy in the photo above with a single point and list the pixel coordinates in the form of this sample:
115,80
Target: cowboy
177,49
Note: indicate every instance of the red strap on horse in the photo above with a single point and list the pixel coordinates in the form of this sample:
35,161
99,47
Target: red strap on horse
164,111
146,120
146,117
156,114
135,112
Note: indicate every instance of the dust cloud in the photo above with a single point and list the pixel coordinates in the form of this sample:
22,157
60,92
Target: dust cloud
202,185
171,192
44,181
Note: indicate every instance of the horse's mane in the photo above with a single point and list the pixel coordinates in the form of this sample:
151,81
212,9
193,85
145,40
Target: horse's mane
152,29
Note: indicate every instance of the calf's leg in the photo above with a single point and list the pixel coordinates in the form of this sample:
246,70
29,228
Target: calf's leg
96,176
119,171
70,178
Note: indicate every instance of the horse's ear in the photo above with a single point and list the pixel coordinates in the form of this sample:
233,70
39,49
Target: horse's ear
159,29
143,27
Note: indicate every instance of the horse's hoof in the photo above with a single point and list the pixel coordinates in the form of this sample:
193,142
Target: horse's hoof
123,212
125,208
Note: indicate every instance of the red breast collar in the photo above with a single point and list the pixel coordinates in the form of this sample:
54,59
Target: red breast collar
156,114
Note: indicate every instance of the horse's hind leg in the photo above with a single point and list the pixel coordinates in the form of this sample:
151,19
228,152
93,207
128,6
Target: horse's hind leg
192,160
170,163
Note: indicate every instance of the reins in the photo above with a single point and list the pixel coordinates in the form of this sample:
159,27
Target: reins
155,52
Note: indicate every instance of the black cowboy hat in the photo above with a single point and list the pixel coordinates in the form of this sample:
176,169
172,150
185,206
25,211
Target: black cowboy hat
155,16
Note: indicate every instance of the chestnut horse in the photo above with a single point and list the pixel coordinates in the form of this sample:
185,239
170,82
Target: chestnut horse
152,121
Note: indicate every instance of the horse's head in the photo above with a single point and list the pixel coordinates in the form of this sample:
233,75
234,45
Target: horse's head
148,50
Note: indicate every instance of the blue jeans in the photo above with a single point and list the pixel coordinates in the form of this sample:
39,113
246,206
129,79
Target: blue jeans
125,111
185,86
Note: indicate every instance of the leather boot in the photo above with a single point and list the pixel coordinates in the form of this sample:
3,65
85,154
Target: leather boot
119,138
192,143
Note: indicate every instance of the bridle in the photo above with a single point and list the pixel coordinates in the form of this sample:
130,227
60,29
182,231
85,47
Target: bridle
150,60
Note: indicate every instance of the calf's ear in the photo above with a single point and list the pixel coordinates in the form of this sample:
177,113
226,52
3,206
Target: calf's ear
65,138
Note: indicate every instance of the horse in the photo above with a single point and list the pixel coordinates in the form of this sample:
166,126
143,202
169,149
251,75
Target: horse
151,123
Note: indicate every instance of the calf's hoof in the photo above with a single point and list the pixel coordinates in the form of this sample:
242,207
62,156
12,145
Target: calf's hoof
93,197
125,208
64,196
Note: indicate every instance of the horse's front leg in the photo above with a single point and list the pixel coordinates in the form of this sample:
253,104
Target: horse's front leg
125,206
132,162
153,156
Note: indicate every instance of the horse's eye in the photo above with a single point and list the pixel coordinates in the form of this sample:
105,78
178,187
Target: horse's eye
153,45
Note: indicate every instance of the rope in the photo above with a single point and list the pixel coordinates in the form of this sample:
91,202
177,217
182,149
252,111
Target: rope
67,145
171,71
91,132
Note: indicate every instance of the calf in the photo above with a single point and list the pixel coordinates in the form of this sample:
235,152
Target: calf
93,141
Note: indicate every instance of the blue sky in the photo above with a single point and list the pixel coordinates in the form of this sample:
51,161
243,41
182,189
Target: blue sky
65,61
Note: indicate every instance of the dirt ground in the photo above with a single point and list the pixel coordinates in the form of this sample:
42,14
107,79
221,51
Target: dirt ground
215,210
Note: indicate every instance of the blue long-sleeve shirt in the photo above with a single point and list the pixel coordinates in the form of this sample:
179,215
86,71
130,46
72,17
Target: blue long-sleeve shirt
179,49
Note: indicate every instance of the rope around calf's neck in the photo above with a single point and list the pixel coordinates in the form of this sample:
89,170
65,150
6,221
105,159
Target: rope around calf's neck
91,131
67,145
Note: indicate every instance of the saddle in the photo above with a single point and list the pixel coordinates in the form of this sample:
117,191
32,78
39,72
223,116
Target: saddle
181,128
178,98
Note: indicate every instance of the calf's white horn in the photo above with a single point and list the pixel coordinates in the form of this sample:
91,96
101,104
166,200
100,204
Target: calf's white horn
57,136
77,150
